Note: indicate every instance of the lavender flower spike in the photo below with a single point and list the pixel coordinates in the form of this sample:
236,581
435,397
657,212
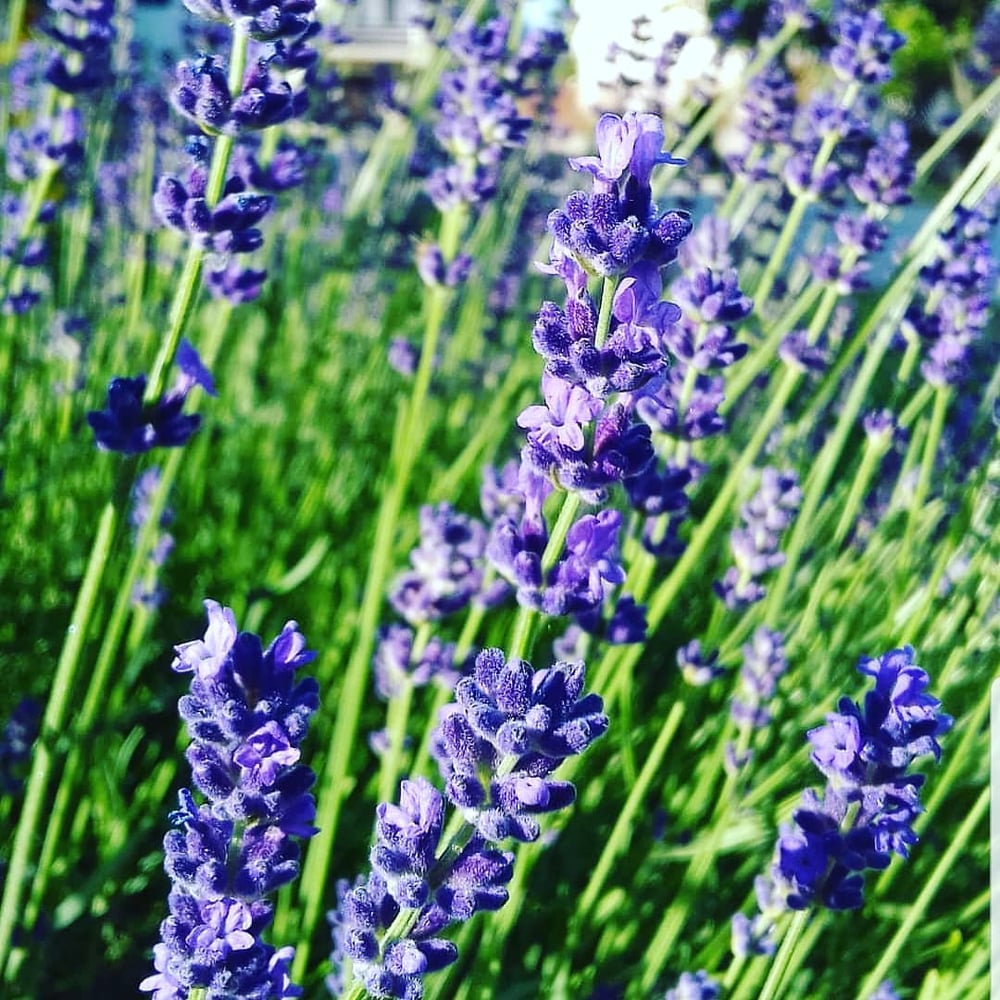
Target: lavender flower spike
866,811
509,728
247,717
497,744
131,426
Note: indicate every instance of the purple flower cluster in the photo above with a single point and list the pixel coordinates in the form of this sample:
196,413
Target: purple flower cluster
280,31
866,812
447,566
861,62
16,740
230,227
247,717
131,426
882,182
764,664
684,403
616,226
694,986
508,729
148,593
952,308
767,113
84,29
477,115
581,578
398,662
755,546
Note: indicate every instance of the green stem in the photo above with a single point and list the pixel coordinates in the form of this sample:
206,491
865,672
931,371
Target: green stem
9,263
618,841
874,450
942,397
334,784
53,723
188,284
918,911
95,699
977,109
798,210
783,958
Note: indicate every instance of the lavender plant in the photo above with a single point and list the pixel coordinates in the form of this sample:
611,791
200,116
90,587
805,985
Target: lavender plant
733,430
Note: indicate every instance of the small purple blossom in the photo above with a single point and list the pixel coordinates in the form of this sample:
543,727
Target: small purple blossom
865,813
131,426
247,717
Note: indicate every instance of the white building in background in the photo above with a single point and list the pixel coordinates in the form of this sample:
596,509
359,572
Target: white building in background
604,48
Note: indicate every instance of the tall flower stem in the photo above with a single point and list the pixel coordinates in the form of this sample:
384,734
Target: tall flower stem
188,284
918,910
94,701
783,958
53,723
101,550
407,437
942,397
618,841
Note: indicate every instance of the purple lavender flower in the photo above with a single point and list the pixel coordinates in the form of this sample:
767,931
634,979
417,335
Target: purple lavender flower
228,227
764,664
395,662
614,227
478,118
246,716
755,546
508,729
694,986
697,667
84,27
132,426
865,47
952,308
447,566
16,741
866,811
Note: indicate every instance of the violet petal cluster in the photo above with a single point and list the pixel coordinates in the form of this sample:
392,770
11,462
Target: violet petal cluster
447,566
865,813
247,716
509,728
951,311
617,225
478,118
755,545
83,28
131,426
396,662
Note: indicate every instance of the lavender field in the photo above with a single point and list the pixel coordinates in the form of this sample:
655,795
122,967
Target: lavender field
505,524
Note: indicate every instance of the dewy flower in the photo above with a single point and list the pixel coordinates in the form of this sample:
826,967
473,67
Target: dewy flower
866,811
247,717
131,426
